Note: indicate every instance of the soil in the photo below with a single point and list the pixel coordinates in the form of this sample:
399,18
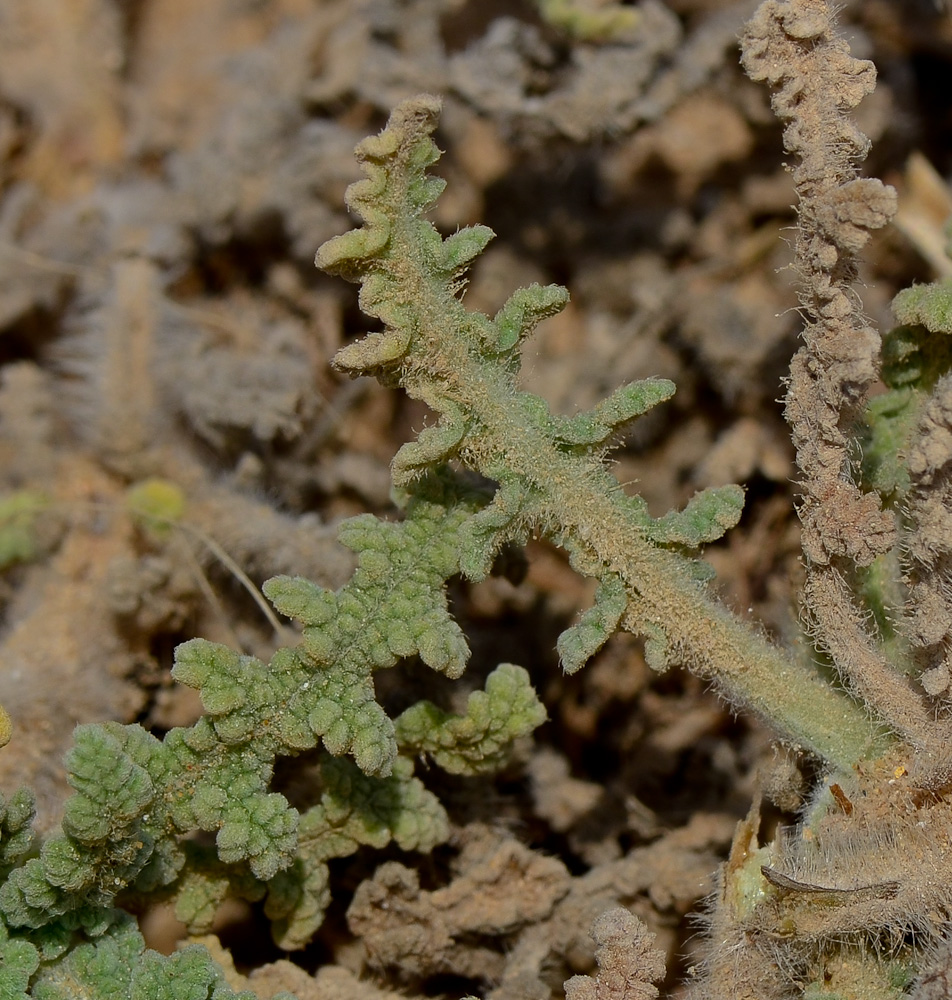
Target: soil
168,169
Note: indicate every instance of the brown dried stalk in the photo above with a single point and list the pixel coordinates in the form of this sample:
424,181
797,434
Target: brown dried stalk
792,45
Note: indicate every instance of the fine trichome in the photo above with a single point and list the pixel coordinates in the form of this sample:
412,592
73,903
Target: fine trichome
852,901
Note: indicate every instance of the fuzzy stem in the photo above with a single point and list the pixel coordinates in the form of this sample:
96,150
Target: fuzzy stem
590,510
550,470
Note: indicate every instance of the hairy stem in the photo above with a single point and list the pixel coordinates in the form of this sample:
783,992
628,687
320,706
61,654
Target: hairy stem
591,512
550,469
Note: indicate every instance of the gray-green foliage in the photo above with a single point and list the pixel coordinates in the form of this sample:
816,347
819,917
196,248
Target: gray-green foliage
116,964
464,366
476,741
590,22
549,470
915,355
550,479
128,831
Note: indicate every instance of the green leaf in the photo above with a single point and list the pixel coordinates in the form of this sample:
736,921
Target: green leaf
479,740
101,969
705,518
112,790
928,305
188,974
433,446
578,644
524,310
462,248
19,960
298,899
627,402
16,825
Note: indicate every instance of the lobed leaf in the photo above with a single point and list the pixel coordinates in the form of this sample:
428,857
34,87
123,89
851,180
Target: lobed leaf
16,825
626,403
19,960
112,790
705,518
928,305
578,644
523,312
479,740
